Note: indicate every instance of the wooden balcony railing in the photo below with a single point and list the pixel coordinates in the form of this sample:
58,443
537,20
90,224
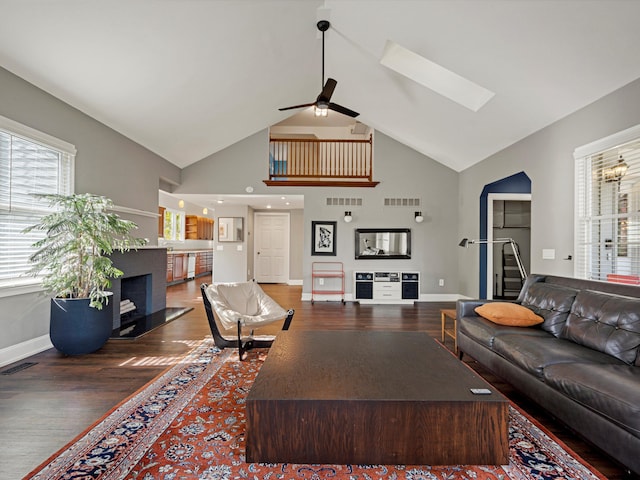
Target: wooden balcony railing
314,162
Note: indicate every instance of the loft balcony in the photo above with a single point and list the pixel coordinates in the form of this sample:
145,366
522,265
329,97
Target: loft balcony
320,163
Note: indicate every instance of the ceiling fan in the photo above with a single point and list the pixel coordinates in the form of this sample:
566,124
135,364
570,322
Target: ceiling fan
323,103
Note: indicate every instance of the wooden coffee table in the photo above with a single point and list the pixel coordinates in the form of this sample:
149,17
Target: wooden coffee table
356,397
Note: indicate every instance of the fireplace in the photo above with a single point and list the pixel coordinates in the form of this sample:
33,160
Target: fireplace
144,284
135,298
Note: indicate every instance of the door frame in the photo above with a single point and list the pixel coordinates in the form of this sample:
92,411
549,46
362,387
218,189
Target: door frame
516,183
287,215
491,197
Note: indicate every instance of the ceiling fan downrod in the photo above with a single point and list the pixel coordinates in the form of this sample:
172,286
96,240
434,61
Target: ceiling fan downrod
323,26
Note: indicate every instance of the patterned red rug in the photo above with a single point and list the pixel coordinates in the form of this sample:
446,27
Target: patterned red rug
189,424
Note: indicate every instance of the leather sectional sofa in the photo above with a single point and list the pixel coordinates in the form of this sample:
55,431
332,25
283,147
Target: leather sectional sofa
582,364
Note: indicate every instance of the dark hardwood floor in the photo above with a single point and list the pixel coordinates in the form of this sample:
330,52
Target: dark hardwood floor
45,406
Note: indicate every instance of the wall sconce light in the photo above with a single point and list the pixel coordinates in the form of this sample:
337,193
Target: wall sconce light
347,217
418,217
205,211
180,203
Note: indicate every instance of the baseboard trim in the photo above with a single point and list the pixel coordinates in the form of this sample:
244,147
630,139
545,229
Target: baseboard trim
22,350
424,297
441,297
330,297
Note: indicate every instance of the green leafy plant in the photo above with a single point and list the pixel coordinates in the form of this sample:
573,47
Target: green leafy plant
73,256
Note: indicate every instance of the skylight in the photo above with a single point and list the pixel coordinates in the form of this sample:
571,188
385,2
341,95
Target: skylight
435,77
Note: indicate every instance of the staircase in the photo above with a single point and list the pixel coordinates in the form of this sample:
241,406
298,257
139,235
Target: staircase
511,279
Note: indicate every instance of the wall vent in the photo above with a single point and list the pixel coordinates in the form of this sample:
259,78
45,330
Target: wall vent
402,202
344,202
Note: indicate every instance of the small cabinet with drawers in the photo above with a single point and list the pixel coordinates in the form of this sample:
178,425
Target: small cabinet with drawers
386,287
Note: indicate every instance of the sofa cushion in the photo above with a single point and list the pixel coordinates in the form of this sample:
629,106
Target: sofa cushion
533,354
607,323
505,313
484,331
551,302
610,390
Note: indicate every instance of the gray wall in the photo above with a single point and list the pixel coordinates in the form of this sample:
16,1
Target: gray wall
229,263
296,244
107,163
403,172
547,158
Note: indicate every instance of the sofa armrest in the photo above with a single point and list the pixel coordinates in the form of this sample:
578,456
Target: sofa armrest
465,308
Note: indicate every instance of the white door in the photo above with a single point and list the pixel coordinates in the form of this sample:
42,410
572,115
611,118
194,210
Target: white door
271,247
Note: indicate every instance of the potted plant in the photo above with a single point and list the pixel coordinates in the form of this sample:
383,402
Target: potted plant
73,259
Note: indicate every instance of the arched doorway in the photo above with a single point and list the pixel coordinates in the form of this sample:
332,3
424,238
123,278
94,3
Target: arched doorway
516,187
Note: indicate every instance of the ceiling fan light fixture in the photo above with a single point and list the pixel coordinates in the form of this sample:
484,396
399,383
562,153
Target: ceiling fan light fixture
321,110
435,77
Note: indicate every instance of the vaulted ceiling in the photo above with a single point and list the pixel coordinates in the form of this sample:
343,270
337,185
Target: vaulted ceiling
187,78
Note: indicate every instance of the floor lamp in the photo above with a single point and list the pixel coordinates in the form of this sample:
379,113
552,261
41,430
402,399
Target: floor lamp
514,246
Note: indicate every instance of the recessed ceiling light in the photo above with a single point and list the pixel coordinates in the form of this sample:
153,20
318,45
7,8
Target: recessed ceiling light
220,201
435,77
282,198
287,203
268,206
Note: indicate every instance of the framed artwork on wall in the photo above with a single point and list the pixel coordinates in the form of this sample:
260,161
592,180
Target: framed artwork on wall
323,238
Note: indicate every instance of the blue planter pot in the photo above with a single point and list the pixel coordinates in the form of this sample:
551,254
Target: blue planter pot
76,328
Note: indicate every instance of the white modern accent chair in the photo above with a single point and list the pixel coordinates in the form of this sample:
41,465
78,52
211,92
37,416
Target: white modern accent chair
241,306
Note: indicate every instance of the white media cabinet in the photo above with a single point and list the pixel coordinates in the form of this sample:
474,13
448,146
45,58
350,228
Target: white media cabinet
386,287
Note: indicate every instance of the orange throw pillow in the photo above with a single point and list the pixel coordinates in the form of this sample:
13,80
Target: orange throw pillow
505,313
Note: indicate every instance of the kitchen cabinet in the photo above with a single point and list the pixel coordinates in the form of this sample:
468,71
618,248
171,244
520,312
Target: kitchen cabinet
204,263
161,222
179,266
198,228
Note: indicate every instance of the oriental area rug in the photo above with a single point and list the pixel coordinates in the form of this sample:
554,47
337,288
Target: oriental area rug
189,423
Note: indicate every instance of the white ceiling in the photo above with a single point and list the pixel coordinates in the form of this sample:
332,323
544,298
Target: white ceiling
187,78
257,202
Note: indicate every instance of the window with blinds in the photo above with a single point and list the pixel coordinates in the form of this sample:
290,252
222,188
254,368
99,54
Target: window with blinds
608,214
30,163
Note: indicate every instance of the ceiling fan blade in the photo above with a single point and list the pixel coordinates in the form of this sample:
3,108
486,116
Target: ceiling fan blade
327,91
343,110
298,106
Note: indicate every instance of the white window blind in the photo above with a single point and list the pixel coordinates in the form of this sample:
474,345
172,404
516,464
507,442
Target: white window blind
608,214
30,162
